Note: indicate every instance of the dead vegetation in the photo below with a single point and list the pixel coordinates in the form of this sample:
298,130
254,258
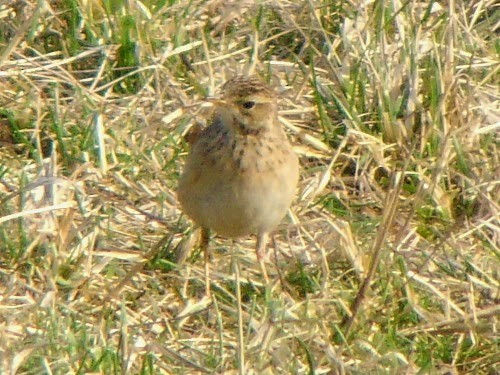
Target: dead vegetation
394,112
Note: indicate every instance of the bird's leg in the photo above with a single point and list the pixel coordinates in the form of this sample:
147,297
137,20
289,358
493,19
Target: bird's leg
260,249
204,245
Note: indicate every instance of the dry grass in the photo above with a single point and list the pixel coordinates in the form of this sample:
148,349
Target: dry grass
388,261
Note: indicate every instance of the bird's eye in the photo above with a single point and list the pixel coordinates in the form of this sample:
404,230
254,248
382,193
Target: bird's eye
248,105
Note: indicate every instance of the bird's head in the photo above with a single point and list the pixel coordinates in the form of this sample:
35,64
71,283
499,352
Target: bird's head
250,103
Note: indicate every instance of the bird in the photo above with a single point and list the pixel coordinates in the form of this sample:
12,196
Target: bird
241,173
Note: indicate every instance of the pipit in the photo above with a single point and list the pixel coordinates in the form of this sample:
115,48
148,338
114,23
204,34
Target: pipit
241,174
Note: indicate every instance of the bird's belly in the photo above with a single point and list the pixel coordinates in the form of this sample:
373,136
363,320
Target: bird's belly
243,203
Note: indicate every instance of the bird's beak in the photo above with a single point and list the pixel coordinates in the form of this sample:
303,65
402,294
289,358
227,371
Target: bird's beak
223,104
216,101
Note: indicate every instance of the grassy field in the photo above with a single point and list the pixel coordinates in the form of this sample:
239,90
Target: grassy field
388,261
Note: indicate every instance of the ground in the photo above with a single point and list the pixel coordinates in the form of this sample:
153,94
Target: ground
388,259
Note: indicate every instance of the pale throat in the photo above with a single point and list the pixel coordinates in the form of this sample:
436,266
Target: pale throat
249,127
